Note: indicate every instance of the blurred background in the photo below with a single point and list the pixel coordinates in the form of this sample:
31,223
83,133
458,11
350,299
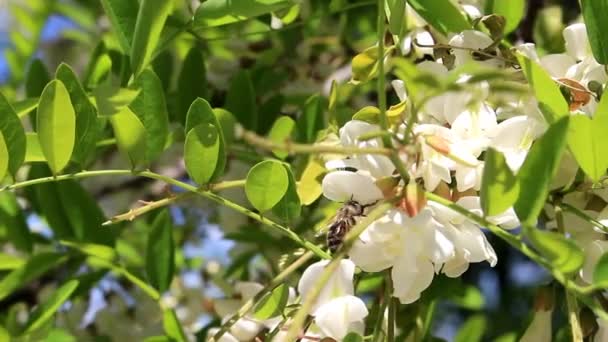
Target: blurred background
42,34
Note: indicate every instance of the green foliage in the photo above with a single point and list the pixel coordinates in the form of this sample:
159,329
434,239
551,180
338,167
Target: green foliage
267,183
564,254
513,11
45,311
123,16
13,137
537,171
151,18
551,101
600,273
56,125
272,304
587,141
222,12
205,147
443,15
160,253
280,132
472,329
241,100
499,187
594,13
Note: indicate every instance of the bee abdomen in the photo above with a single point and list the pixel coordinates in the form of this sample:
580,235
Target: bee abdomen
336,234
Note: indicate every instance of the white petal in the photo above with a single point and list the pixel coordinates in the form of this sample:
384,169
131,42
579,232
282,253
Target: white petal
352,130
336,318
455,267
245,329
557,64
529,50
341,186
593,252
225,338
227,307
411,277
399,88
340,283
248,289
577,43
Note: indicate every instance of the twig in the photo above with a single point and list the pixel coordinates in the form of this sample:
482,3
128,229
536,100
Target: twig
293,148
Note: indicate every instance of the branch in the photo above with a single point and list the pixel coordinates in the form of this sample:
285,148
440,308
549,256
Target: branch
294,148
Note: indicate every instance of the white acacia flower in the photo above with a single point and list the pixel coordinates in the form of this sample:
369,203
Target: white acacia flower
471,40
576,65
341,186
336,311
412,246
514,137
377,166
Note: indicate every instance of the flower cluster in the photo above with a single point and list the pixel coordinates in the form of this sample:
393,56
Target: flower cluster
450,134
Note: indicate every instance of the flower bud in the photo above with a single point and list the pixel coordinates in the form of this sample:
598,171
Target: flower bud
414,199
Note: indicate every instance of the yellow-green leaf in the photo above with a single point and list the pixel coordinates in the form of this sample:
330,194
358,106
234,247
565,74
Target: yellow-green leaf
3,157
56,123
267,182
202,152
280,133
45,311
130,136
499,187
151,19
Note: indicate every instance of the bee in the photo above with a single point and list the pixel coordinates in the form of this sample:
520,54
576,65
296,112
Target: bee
344,220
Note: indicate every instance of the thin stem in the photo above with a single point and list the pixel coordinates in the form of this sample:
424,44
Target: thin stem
190,188
381,90
311,297
293,148
575,325
576,211
149,206
378,333
392,309
250,303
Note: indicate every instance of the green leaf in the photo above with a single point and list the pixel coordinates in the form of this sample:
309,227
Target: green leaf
353,337
202,150
4,157
192,81
205,148
266,184
594,13
13,222
587,140
280,133
472,330
312,120
123,16
513,11
600,273
112,100
56,123
22,108
470,298
100,251
241,100
272,304
563,253
289,207
130,136
173,327
443,15
160,253
309,186
499,187
36,78
227,122
396,20
538,170
13,135
88,129
151,109
550,99
222,12
36,266
10,262
46,310
151,19
33,151
58,335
